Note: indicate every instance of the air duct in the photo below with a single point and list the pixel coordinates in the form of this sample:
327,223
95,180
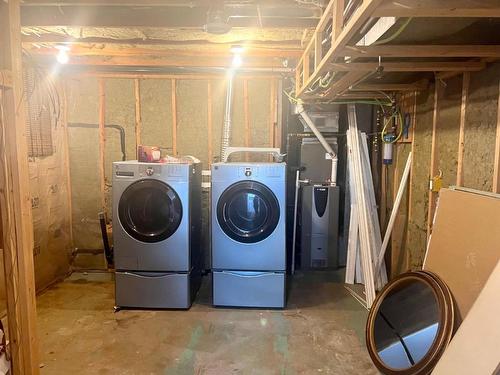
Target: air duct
226,128
309,122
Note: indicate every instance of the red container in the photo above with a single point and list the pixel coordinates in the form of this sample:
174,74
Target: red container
148,154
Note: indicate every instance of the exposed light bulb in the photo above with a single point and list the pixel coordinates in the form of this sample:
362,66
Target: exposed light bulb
237,61
237,49
62,56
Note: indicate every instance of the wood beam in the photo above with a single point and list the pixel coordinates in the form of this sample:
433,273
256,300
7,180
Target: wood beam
138,114
416,86
119,75
67,164
174,116
408,66
268,4
15,201
357,20
154,51
210,122
272,113
361,95
461,133
102,142
338,18
5,78
246,112
434,166
342,84
165,17
174,61
438,8
422,51
496,168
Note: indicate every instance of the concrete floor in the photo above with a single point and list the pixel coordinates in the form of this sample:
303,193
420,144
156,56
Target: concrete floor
320,332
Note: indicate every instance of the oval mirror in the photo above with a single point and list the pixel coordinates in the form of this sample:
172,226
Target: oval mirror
410,324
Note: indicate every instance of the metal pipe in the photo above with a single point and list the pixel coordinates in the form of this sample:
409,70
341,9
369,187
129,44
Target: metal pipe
322,140
295,210
226,128
111,126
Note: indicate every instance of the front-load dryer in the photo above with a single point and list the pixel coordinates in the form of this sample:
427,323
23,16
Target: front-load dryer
248,234
156,233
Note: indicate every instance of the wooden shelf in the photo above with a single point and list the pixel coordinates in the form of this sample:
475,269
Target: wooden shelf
353,67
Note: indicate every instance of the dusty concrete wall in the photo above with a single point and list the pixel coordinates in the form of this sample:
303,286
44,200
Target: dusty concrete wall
156,129
480,130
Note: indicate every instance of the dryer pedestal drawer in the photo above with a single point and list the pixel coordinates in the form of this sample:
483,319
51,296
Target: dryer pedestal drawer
249,289
153,290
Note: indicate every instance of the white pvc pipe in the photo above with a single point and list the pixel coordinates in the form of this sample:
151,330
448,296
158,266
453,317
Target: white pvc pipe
322,140
395,208
295,210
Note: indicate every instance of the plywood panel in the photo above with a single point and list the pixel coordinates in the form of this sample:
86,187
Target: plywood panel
463,249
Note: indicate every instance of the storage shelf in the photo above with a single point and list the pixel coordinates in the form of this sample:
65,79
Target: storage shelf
335,65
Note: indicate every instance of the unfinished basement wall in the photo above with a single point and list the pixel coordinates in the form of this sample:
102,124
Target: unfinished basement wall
144,108
49,190
409,238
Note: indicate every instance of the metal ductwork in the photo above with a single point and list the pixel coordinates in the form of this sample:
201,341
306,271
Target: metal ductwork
322,140
226,128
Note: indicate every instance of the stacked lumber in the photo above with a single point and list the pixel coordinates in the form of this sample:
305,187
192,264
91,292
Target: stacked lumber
365,241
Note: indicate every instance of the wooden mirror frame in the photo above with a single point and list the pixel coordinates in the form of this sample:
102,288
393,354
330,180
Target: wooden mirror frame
445,328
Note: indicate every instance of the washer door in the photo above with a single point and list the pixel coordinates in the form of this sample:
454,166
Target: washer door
150,210
248,211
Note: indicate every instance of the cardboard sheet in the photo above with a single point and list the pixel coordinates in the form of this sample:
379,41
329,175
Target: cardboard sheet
475,348
465,244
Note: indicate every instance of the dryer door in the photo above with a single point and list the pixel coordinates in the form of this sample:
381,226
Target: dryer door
248,211
150,210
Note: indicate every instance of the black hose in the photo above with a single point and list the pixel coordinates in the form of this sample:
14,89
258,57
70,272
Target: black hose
111,126
108,251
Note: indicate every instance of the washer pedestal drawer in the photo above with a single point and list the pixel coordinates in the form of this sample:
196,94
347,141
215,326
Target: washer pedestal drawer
162,290
249,289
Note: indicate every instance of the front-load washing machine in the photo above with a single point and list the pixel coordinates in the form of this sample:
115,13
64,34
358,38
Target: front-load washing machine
156,233
248,234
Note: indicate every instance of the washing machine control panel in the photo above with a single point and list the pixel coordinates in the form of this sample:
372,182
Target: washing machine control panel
248,171
148,170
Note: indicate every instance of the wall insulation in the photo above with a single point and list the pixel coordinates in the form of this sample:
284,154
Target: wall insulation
410,232
51,213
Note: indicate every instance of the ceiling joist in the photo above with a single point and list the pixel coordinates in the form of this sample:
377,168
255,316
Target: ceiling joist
409,66
422,51
165,61
438,8
416,86
406,50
